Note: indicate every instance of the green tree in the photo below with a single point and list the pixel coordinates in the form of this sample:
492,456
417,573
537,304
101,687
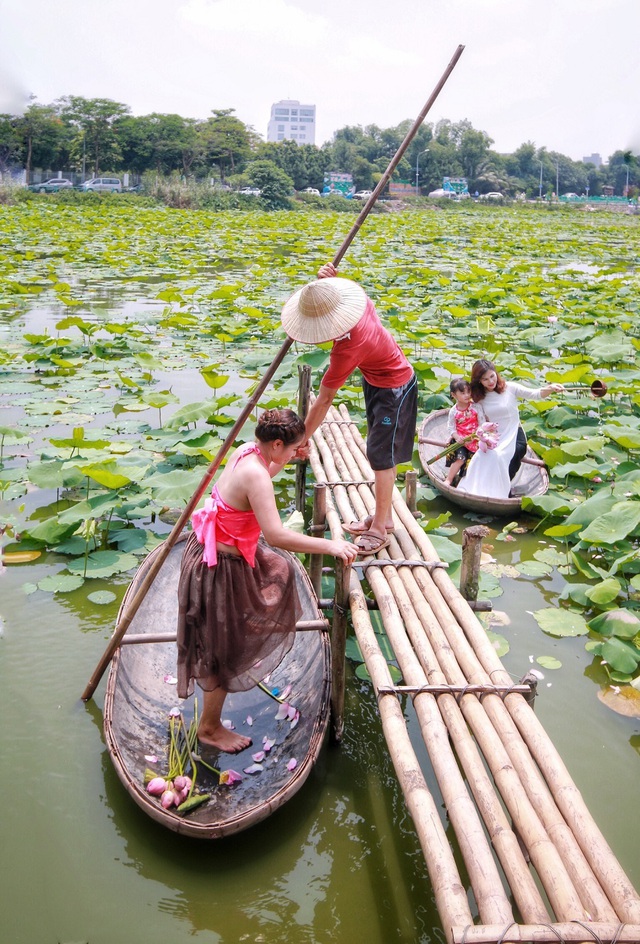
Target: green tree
95,123
164,143
9,142
275,185
45,138
226,141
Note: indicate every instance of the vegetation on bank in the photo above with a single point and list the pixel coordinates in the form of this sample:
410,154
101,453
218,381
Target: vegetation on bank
97,136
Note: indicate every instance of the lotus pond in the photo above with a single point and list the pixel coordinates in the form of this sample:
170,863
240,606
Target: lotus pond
130,338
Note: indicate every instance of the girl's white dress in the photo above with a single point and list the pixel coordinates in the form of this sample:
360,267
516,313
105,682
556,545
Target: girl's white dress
488,472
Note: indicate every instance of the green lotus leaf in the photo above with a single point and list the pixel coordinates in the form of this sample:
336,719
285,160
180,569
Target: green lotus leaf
613,526
191,414
586,469
129,539
534,568
352,650
175,487
576,592
549,662
562,530
51,531
60,583
561,622
621,623
604,592
591,509
549,504
550,555
620,655
101,597
625,436
446,549
105,475
103,564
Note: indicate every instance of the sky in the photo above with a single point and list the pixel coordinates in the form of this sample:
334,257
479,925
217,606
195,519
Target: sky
563,74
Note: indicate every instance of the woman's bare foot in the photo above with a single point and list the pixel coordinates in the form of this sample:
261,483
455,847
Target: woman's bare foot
223,739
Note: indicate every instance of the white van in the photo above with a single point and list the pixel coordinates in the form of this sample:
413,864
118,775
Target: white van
103,183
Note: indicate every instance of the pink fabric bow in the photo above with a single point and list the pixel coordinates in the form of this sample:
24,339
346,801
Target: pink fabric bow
204,525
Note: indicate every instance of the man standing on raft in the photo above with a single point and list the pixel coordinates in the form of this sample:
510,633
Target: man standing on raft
338,310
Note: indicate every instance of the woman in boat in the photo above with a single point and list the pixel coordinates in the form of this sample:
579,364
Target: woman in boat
238,605
490,473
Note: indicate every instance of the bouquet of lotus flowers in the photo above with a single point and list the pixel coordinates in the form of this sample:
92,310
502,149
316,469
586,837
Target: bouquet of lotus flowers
486,436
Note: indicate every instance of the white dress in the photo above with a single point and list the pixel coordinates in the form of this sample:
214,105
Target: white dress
488,472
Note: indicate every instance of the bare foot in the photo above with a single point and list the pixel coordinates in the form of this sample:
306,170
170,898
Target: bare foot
223,739
361,527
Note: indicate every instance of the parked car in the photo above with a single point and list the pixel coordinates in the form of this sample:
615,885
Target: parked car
493,195
51,186
250,191
311,190
571,196
103,184
440,192
363,194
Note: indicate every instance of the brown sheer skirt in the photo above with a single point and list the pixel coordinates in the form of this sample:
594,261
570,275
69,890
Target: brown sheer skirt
235,622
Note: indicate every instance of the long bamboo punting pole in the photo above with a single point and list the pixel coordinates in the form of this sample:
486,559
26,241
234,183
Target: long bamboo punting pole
571,932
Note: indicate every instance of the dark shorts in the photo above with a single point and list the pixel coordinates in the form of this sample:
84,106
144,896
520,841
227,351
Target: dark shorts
460,453
391,423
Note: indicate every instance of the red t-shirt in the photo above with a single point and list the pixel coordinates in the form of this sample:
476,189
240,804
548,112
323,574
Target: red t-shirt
372,349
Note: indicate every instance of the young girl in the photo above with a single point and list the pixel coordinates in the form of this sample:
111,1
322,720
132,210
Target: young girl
490,474
463,420
238,604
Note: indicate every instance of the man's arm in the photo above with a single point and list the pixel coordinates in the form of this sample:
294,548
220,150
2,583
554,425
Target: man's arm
319,409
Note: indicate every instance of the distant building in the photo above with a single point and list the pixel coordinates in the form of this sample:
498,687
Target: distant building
592,159
292,121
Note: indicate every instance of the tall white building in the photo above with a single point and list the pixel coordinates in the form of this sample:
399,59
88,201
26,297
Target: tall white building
292,121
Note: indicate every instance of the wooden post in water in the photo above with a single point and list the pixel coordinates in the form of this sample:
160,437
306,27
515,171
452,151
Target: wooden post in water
410,491
317,529
304,393
470,570
338,648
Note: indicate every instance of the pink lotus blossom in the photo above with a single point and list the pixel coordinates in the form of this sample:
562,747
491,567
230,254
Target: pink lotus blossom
175,713
229,777
487,435
169,798
157,786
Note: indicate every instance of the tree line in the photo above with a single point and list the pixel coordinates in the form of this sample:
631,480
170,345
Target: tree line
97,136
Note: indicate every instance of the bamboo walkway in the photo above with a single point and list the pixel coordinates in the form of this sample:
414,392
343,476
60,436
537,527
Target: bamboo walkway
538,867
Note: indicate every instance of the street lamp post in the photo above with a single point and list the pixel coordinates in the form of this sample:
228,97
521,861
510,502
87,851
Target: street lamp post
418,156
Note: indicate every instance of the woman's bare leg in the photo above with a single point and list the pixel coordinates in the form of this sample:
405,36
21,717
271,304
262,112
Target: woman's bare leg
211,730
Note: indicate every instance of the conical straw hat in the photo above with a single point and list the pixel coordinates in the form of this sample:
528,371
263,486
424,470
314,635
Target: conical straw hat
323,310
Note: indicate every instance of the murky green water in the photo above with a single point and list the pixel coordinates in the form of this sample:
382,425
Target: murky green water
81,862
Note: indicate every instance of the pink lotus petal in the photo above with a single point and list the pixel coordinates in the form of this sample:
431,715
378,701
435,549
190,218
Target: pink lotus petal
267,744
174,713
295,721
228,777
254,769
286,691
249,720
292,712
151,758
258,756
293,763
229,725
171,680
283,711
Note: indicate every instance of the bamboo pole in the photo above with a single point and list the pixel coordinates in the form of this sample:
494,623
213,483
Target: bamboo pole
338,648
410,490
138,639
449,893
571,932
428,549
318,528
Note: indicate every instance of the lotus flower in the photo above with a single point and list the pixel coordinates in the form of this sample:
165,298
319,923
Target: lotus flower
229,777
487,436
157,786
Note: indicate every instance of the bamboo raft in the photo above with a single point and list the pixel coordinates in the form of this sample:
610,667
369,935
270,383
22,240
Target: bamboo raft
538,867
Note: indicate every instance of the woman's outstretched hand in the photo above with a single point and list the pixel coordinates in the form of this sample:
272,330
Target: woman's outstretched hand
552,388
343,550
